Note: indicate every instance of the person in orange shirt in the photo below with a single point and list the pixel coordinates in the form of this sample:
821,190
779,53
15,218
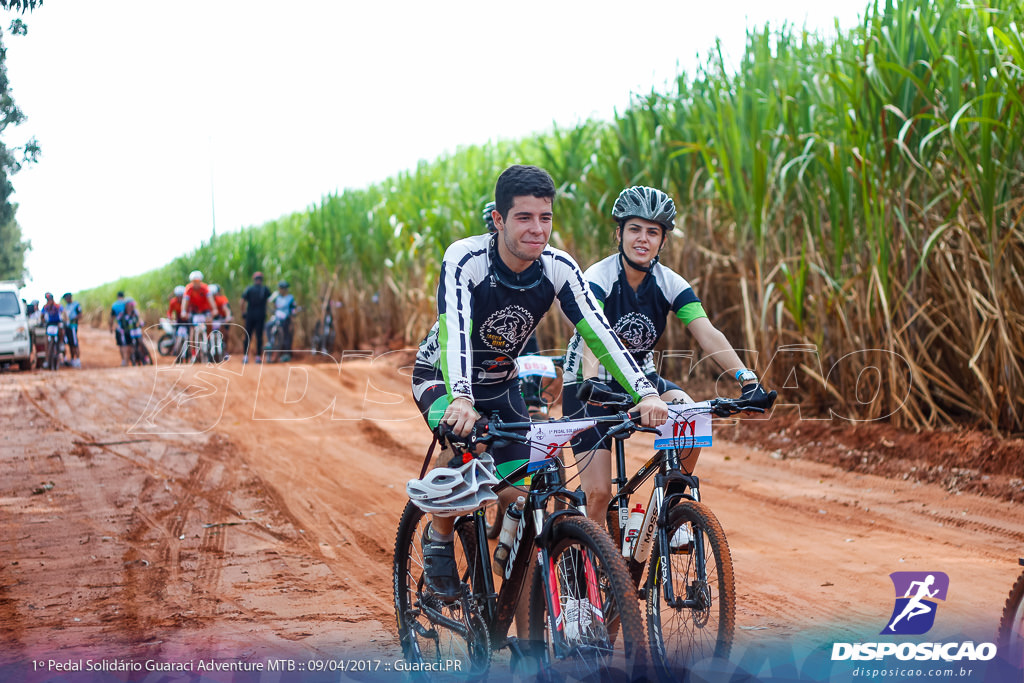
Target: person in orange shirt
221,312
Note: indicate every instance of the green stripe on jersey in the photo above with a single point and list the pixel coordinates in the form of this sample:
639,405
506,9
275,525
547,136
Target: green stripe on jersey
691,312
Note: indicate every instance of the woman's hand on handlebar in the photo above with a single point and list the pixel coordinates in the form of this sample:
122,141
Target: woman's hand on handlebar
653,411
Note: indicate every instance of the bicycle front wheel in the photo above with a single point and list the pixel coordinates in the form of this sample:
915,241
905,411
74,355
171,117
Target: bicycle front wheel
445,641
586,613
1011,626
702,620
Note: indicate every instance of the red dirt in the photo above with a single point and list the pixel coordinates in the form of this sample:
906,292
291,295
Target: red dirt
254,513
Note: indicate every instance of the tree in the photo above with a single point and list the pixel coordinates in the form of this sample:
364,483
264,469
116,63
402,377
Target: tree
21,5
12,159
12,251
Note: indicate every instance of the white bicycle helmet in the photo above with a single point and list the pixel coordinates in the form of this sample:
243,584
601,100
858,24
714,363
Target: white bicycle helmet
455,491
179,290
214,289
195,275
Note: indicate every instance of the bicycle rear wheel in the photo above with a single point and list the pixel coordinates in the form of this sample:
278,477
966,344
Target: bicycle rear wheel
701,572
587,614
450,638
1011,627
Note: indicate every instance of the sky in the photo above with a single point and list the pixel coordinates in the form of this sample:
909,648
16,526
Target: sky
160,122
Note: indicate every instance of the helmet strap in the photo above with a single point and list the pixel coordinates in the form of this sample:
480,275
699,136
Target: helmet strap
633,264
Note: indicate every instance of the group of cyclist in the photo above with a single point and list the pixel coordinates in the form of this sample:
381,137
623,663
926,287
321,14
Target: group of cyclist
65,315
494,288
200,303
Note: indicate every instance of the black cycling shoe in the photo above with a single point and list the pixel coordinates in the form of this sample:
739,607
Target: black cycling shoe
439,568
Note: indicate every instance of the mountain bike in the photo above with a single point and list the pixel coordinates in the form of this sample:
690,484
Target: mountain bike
139,354
323,331
198,348
1011,626
690,589
216,341
583,610
54,345
536,376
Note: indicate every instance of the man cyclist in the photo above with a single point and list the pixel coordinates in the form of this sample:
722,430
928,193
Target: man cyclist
72,315
115,310
493,291
254,310
197,301
52,313
637,294
127,321
284,309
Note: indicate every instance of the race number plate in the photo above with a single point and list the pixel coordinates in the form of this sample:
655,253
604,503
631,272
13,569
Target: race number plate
686,427
136,333
536,366
52,329
547,439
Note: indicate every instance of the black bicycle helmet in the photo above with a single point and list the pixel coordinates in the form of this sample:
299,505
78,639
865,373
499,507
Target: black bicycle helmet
283,284
645,202
488,219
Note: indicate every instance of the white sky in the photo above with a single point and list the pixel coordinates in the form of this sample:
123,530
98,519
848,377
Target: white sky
142,108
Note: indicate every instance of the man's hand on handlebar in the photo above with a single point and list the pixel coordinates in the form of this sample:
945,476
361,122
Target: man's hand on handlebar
460,415
653,411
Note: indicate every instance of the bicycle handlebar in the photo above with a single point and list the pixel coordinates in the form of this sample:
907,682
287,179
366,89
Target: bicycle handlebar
598,393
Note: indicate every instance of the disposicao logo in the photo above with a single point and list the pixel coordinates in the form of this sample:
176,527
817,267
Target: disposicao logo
917,600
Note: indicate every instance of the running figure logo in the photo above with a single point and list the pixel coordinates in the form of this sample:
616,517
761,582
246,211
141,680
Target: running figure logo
917,596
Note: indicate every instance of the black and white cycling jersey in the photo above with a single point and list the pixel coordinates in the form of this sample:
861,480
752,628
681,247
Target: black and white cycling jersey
638,317
486,314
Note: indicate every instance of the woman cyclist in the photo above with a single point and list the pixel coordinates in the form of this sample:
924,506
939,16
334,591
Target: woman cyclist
638,294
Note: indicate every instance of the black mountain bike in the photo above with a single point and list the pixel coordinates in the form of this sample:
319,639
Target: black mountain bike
690,589
1011,627
584,617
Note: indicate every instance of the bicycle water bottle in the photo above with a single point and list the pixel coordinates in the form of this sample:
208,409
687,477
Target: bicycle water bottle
508,530
632,530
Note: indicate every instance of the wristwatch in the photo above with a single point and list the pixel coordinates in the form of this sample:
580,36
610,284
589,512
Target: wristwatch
745,376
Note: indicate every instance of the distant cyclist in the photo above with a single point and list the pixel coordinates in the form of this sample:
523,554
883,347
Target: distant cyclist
638,294
52,313
72,315
197,299
177,319
221,313
284,309
115,309
254,311
127,321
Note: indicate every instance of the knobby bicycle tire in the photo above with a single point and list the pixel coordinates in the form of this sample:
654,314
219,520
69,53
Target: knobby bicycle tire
681,636
51,355
1011,627
608,644
412,600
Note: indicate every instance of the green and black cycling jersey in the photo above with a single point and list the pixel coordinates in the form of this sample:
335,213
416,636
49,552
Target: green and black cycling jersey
486,314
638,317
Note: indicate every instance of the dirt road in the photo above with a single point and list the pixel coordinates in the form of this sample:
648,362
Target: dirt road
241,512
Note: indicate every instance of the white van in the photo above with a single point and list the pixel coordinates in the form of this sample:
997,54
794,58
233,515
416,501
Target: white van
15,336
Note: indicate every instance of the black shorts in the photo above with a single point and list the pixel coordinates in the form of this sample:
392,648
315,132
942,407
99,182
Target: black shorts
595,436
505,399
71,335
